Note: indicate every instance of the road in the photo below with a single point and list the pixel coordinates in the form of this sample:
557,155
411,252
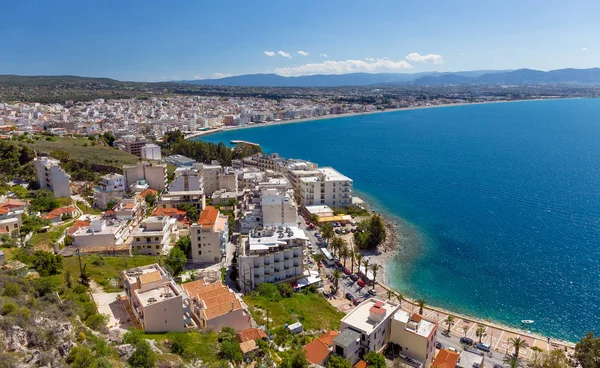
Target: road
453,342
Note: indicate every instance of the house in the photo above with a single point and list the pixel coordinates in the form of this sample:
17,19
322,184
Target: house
470,359
154,235
56,215
11,212
101,233
445,359
2,257
251,334
155,300
111,188
209,236
214,306
415,336
318,351
366,328
130,209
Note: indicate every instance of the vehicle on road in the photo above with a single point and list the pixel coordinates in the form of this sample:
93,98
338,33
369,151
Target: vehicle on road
483,347
356,301
360,283
346,271
439,345
354,277
466,341
372,292
453,349
349,296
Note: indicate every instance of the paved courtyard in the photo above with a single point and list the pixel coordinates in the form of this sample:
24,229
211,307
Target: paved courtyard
115,309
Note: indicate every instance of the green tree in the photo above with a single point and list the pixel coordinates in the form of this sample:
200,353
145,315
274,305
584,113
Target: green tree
517,343
366,266
176,260
449,322
109,138
132,336
150,199
19,191
143,356
285,290
513,362
12,290
185,244
377,231
44,201
46,263
399,297
96,321
358,257
327,231
337,361
227,334
268,291
180,341
313,219
190,209
421,303
231,350
295,358
587,351
336,279
375,360
375,268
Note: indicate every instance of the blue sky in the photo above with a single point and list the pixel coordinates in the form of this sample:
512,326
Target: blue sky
165,40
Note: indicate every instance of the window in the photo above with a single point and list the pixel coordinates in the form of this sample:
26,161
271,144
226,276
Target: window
157,247
156,238
165,321
137,239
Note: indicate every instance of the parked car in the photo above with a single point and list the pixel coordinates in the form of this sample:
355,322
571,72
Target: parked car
317,234
439,345
498,366
466,341
339,264
349,296
372,292
337,231
453,350
356,301
483,347
360,283
346,271
354,277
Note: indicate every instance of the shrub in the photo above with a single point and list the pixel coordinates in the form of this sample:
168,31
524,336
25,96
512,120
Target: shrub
143,356
8,308
269,291
285,290
133,336
231,350
12,289
96,321
97,260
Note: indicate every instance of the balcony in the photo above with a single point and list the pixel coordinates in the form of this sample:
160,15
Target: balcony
267,263
256,266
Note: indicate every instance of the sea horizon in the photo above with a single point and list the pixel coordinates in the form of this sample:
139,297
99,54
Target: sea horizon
499,199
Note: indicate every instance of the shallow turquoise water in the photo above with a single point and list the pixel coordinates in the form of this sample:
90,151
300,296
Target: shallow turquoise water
500,202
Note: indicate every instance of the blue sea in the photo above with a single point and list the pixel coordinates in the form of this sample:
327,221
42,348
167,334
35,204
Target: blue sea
498,204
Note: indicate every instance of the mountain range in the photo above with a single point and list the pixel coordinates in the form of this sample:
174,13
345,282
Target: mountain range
476,77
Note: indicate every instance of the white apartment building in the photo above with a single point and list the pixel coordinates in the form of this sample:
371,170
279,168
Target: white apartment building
228,180
186,180
210,176
155,175
151,151
101,233
209,236
366,328
415,335
158,303
278,208
130,209
49,175
132,144
271,255
111,188
328,187
154,235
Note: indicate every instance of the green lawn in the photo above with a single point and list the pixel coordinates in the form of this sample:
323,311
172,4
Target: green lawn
312,310
87,210
107,269
46,240
82,149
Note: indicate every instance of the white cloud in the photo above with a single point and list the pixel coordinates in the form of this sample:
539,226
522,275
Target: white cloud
221,75
175,77
269,53
584,49
323,55
198,77
284,54
303,53
369,59
429,58
345,66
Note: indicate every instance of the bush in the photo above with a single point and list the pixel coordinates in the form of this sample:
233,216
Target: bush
231,350
96,321
44,201
375,360
12,290
97,260
44,286
179,342
285,290
8,308
227,334
269,291
46,263
143,356
133,336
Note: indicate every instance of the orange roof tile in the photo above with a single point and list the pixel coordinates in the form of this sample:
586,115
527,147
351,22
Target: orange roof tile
248,346
78,224
318,349
145,192
360,364
149,277
251,334
328,337
170,212
445,359
208,217
57,212
417,318
11,203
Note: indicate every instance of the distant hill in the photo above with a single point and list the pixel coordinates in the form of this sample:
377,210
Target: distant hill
520,76
52,80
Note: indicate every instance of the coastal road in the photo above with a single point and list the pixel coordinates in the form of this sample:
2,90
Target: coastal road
453,342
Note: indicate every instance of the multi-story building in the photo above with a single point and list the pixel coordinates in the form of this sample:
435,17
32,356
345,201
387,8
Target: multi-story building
150,151
215,306
157,302
328,187
263,162
132,144
186,180
209,236
154,235
415,335
155,175
228,180
111,188
11,212
271,255
49,175
366,328
278,208
101,233
210,176
130,209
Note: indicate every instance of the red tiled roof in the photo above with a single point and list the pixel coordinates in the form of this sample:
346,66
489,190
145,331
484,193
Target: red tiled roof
251,334
78,224
377,308
145,192
208,217
417,318
360,364
171,212
58,212
445,359
318,349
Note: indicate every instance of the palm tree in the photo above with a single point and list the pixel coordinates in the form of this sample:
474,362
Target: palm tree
399,297
344,254
336,277
337,244
366,264
513,362
537,351
327,232
359,257
480,332
421,304
390,294
518,344
465,329
449,321
375,268
351,255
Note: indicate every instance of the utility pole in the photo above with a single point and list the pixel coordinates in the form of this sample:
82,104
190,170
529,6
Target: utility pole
79,256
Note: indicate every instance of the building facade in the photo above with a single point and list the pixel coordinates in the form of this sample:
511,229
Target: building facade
111,188
415,335
49,175
209,236
328,187
155,175
154,235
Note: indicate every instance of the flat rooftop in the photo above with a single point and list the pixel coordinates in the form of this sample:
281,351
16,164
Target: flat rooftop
332,174
157,295
419,325
359,318
132,274
277,238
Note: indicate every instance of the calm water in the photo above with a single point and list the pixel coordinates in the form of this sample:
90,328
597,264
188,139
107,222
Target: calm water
500,202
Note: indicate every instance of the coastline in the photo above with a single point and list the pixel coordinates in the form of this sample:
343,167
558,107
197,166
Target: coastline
347,115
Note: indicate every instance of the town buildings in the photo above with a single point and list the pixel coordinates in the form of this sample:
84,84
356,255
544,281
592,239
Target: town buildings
150,151
155,175
132,144
209,236
366,328
11,213
111,188
326,187
278,208
215,306
49,175
415,335
101,234
319,350
156,301
271,255
154,236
